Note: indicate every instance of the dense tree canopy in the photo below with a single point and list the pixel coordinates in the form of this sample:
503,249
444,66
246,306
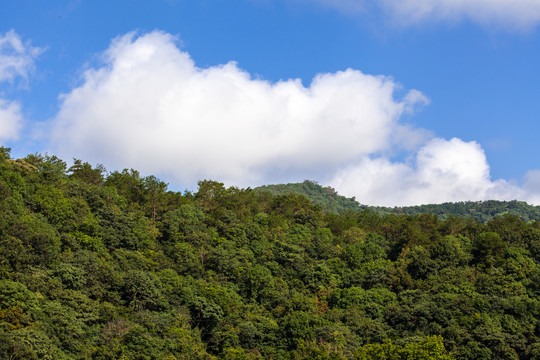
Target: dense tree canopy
330,201
114,266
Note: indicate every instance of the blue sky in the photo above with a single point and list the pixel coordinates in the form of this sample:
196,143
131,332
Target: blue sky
395,103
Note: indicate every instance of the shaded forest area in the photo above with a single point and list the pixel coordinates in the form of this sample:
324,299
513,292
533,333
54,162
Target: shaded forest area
114,266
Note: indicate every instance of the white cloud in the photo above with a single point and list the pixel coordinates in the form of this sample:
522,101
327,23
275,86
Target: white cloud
16,57
16,60
520,14
531,186
443,171
10,120
512,13
149,107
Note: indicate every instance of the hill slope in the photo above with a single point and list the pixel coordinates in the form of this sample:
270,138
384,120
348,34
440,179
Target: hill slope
330,201
325,197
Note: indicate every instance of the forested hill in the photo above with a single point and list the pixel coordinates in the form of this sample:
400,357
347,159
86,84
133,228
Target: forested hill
480,210
330,201
325,197
97,265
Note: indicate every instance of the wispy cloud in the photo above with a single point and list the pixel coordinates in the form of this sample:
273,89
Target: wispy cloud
16,61
513,14
16,58
355,6
148,106
520,14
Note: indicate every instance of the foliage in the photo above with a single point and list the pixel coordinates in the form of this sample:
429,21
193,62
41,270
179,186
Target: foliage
325,197
331,202
114,266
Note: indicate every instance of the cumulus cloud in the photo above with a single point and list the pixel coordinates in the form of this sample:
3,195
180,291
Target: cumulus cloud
442,171
151,108
520,14
10,120
16,58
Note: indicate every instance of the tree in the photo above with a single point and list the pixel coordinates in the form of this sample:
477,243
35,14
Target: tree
488,249
155,191
84,172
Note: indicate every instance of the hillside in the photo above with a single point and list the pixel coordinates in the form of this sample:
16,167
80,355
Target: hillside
480,210
330,201
325,197
97,265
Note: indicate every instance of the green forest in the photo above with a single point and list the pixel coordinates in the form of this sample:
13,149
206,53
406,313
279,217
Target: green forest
330,201
113,265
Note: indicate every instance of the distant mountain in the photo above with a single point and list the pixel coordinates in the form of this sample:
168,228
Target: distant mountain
330,201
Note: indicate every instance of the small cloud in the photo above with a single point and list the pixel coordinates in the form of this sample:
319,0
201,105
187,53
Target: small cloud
415,99
16,58
443,171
